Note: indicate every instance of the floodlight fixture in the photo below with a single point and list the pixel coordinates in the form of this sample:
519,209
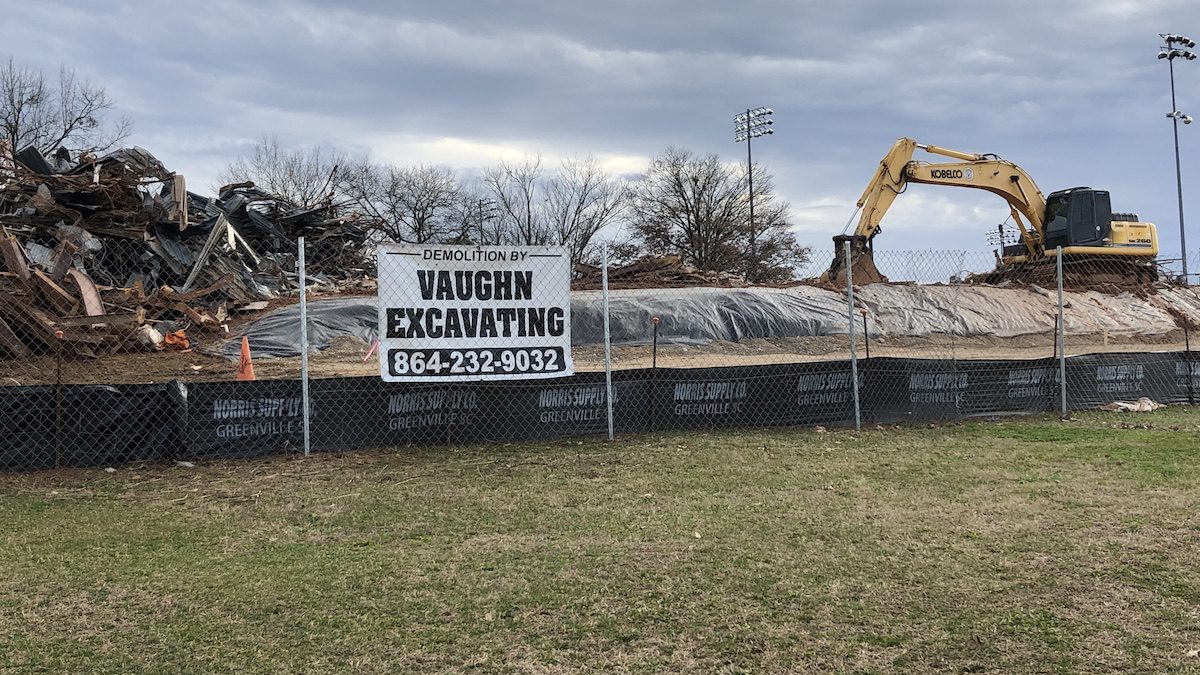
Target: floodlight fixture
1176,39
1172,54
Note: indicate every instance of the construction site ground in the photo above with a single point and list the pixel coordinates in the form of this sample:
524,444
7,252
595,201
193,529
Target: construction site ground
1130,323
346,358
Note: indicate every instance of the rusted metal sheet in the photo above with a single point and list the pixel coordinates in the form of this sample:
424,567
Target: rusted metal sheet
88,292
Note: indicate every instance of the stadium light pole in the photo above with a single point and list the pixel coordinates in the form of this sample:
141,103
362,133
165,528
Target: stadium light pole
1178,47
749,125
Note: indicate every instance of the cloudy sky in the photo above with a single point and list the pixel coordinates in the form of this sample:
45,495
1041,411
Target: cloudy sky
1069,89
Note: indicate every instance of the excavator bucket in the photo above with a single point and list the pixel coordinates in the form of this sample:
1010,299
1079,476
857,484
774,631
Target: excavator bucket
862,263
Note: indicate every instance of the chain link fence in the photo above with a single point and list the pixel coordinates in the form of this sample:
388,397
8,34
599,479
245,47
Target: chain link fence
489,346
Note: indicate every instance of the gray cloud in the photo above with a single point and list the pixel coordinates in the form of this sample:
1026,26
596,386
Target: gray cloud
1071,90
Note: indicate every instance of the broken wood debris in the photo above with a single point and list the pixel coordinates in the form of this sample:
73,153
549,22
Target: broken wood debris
664,271
81,240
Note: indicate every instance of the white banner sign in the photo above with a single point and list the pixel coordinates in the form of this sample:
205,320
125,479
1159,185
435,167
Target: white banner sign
466,313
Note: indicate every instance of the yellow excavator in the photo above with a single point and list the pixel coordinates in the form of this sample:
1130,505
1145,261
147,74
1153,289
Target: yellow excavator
1098,246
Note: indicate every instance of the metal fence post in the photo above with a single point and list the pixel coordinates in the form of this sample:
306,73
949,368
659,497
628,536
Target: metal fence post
58,398
304,346
853,340
607,341
1061,338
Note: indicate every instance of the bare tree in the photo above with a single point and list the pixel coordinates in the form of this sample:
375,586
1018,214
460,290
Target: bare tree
417,204
567,207
581,200
696,207
517,192
771,253
47,114
304,176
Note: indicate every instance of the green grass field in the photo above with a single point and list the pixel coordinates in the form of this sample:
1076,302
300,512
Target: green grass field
1026,545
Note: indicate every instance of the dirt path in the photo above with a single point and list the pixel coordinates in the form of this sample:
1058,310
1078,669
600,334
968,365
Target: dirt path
346,358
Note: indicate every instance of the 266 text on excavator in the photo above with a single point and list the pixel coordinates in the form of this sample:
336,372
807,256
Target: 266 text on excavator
1098,246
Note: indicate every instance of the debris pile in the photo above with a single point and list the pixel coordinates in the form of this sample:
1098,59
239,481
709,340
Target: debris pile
664,271
93,249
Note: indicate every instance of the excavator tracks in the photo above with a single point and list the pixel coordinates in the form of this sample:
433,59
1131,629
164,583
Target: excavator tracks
1109,274
1079,273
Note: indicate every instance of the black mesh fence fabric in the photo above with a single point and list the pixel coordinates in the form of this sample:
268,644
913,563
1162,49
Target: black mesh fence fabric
941,337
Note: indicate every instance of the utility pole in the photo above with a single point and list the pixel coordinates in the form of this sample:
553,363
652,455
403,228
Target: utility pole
487,211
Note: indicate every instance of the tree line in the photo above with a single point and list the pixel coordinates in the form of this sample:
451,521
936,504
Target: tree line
684,203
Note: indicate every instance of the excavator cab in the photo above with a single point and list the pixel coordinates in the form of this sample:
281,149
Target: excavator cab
1078,217
1098,246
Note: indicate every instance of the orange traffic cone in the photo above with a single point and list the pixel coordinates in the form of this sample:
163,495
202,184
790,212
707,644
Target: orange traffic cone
245,371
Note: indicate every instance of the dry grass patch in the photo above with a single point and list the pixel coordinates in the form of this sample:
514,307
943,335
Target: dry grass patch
1026,545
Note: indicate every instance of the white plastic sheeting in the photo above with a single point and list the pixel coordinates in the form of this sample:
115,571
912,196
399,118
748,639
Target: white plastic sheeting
701,315
893,310
969,311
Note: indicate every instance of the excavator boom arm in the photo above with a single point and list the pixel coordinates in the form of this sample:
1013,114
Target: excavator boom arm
981,172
